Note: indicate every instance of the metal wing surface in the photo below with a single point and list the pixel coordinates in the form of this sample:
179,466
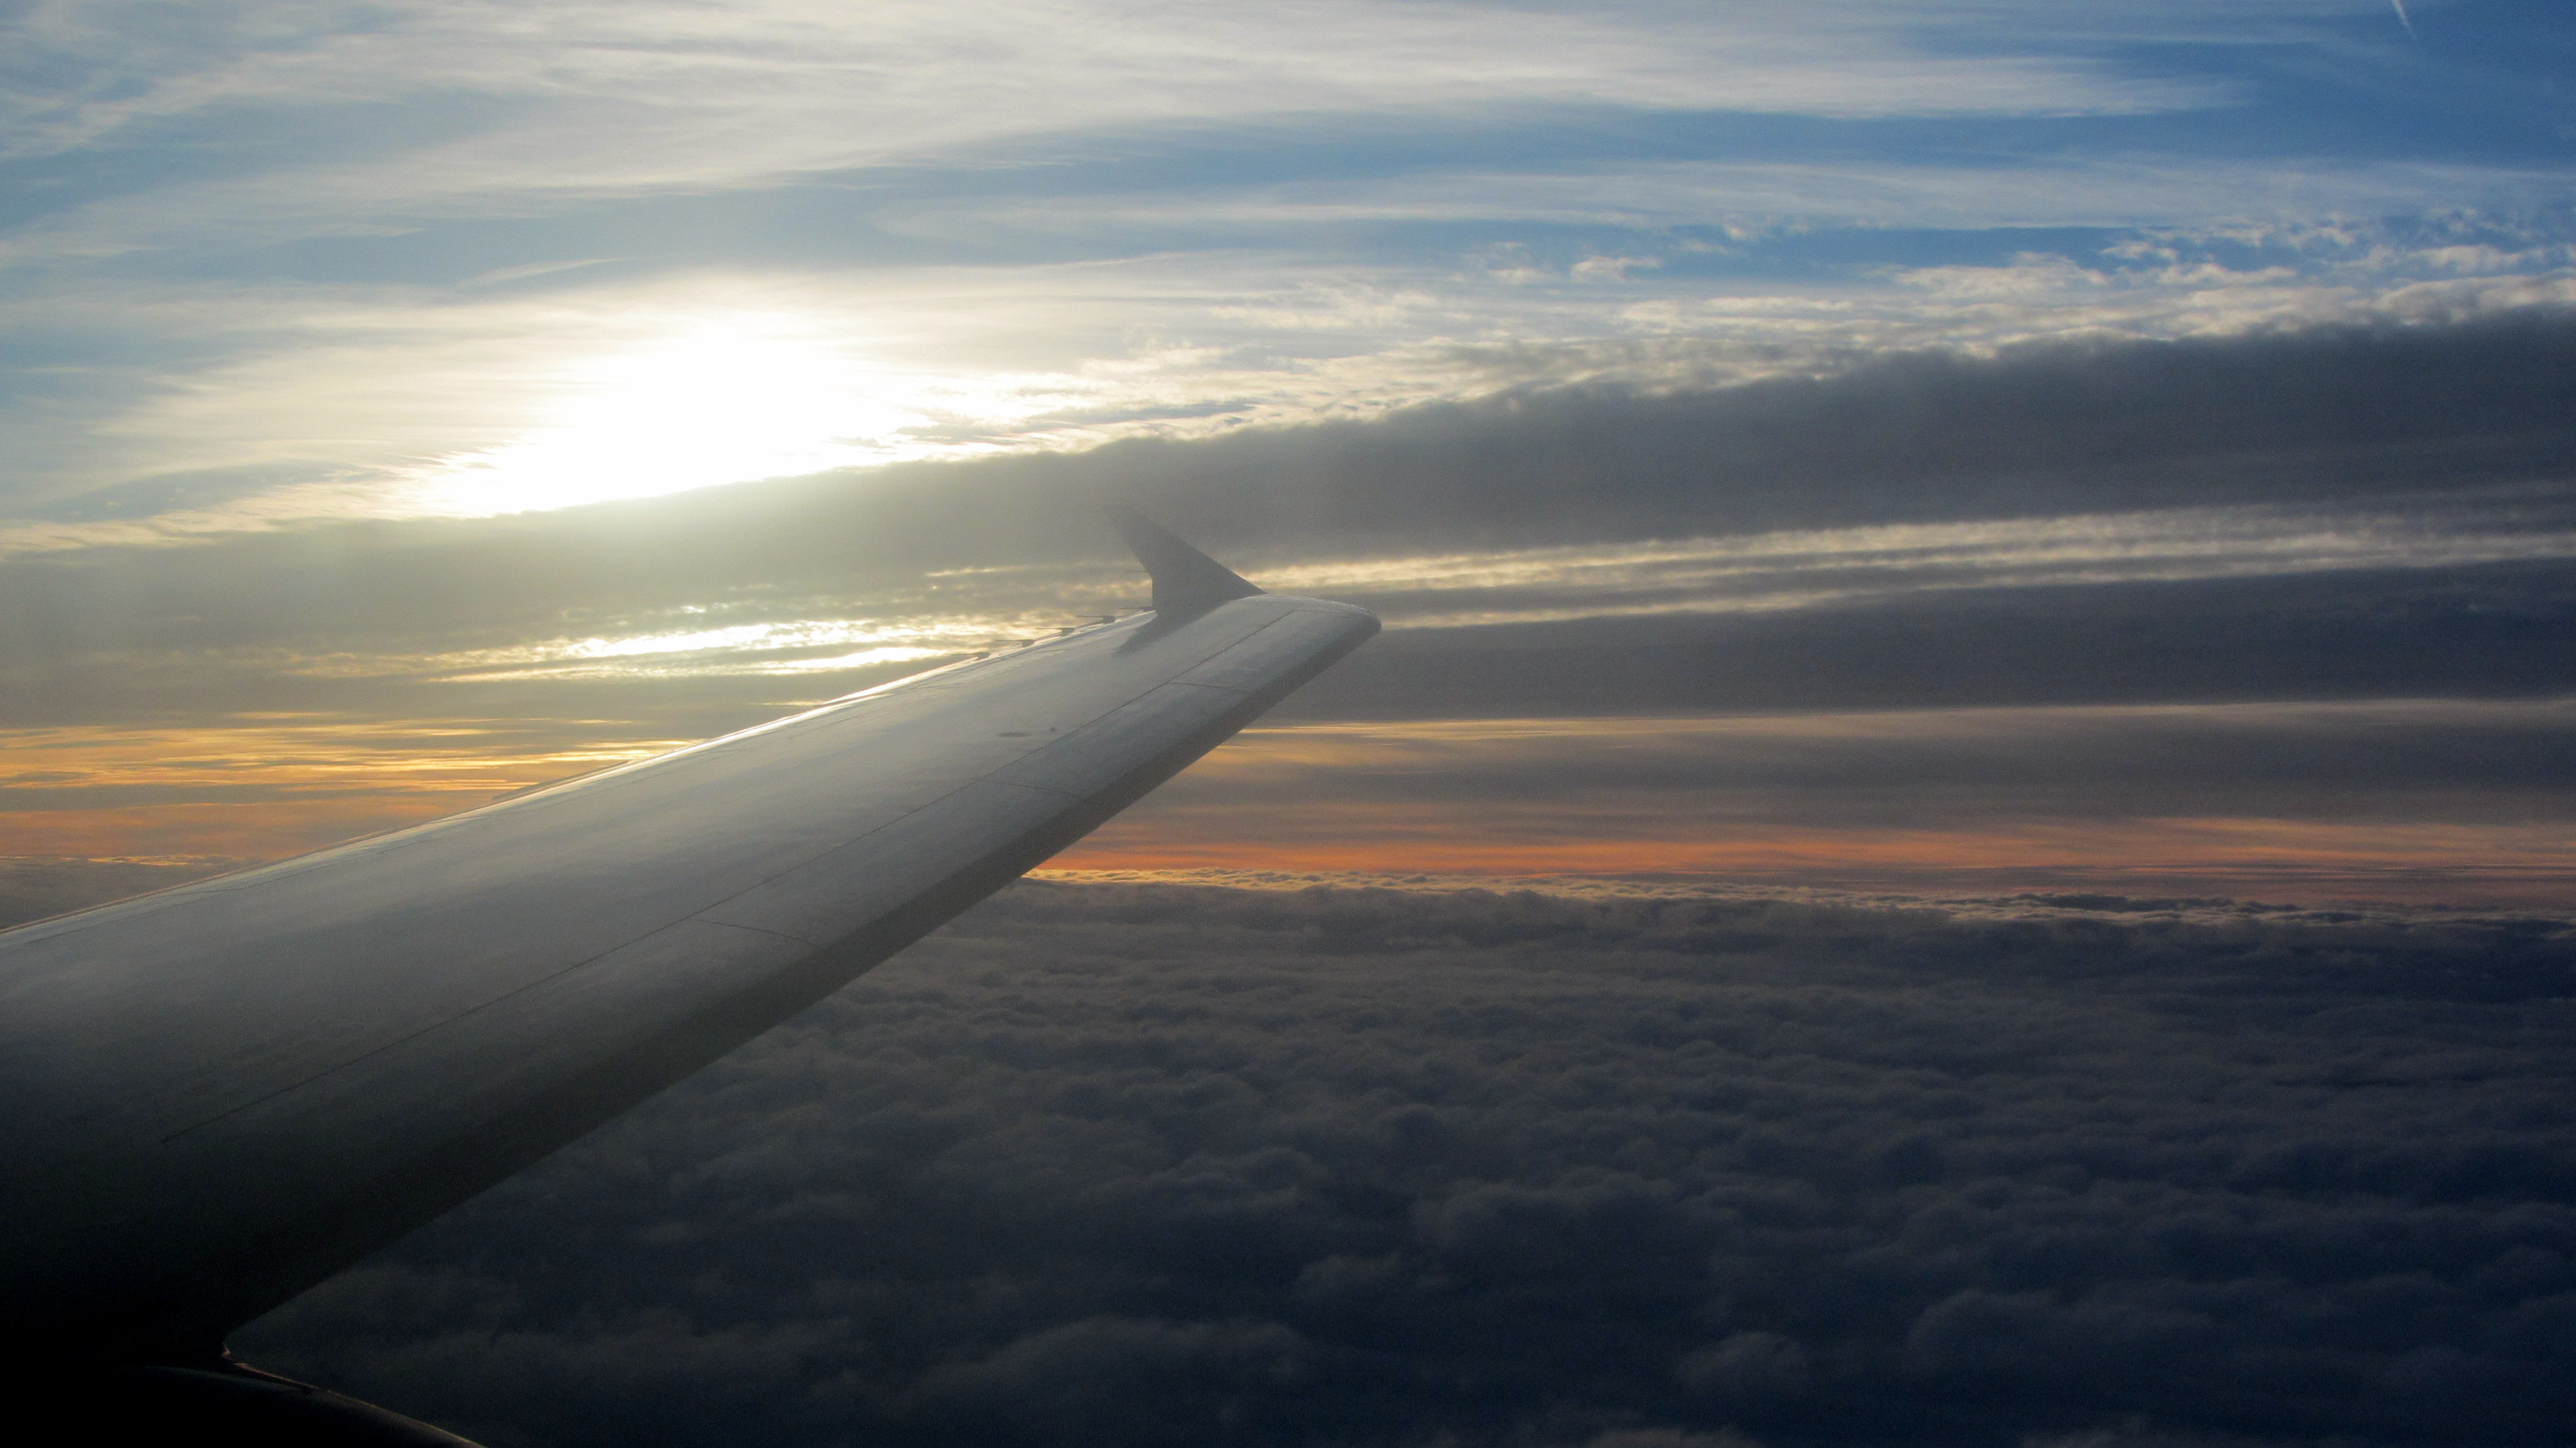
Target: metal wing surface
219,1094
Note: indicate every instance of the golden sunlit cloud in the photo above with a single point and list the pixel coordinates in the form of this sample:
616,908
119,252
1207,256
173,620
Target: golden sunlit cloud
778,647
257,786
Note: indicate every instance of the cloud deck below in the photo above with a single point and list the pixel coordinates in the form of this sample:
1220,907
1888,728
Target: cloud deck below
1150,1163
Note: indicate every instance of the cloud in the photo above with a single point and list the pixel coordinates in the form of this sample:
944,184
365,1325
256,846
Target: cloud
1930,487
231,407
1149,1163
2345,514
2365,634
859,89
2385,200
2455,802
2316,423
378,259
2381,760
470,109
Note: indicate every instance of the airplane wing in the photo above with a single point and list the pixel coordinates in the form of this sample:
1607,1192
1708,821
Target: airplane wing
220,1094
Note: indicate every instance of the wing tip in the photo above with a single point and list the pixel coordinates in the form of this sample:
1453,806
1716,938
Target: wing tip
1186,581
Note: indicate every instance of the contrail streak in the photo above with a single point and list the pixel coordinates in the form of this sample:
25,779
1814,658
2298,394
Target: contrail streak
2403,19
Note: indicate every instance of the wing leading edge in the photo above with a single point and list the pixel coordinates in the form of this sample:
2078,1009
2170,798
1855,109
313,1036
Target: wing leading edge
222,1093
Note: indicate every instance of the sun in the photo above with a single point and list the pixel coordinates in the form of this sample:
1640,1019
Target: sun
718,402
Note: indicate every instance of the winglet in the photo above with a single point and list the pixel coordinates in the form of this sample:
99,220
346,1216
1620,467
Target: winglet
1186,581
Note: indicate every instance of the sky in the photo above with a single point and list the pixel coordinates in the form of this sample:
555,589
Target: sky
1974,466
415,401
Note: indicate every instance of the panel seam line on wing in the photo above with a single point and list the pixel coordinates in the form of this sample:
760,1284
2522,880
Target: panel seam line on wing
477,1008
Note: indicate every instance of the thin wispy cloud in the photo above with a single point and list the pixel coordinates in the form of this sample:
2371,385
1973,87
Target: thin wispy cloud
412,240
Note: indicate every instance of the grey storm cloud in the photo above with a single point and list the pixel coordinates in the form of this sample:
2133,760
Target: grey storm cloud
2322,419
1153,1164
2426,430
2485,631
2484,760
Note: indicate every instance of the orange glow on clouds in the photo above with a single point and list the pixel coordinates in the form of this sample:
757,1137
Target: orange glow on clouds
260,786
1317,799
2469,864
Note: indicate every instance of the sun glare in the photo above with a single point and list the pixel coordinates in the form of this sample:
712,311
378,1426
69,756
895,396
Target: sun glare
716,404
